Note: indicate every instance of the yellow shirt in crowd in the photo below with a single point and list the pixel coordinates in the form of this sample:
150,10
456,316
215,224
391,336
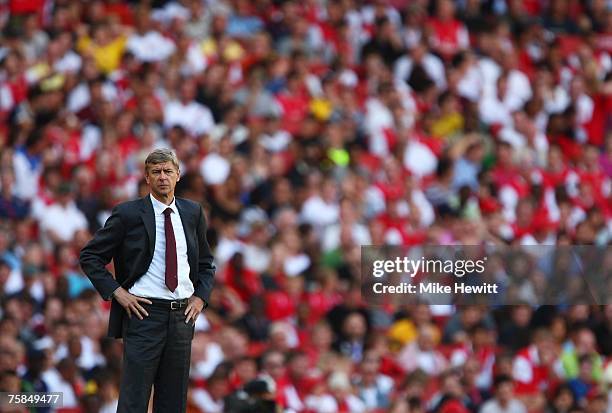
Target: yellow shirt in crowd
107,57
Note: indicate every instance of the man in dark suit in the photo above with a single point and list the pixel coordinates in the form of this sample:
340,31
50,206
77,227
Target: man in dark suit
163,278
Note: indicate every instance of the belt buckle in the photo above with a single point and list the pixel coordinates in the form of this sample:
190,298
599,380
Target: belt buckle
172,303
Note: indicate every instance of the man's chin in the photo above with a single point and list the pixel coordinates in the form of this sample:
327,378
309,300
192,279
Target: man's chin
163,191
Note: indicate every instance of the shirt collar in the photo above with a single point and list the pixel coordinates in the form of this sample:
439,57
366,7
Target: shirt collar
160,207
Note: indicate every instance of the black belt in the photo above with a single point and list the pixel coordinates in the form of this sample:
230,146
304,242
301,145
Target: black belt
170,305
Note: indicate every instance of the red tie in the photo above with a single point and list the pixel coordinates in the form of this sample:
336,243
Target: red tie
171,271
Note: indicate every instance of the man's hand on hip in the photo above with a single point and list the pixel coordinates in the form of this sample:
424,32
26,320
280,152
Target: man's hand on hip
194,306
131,303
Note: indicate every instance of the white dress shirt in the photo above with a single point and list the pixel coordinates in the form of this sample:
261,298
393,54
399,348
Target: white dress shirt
153,283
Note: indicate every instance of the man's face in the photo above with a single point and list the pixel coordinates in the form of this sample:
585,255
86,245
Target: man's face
505,392
162,178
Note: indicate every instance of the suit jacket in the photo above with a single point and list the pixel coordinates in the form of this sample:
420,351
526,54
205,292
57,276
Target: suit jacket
128,237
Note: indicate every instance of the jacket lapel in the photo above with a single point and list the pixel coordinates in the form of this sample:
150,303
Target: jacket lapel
148,217
186,220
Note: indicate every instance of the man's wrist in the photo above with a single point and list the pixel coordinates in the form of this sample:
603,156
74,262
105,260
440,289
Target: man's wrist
205,304
114,293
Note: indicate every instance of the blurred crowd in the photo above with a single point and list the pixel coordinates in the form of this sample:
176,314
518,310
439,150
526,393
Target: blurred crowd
307,129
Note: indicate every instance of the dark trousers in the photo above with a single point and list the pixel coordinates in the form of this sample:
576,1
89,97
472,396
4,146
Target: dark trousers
156,352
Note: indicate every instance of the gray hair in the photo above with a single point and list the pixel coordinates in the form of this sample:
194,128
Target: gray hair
160,156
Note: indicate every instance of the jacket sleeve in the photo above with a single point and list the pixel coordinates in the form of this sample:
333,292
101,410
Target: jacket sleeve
98,253
206,267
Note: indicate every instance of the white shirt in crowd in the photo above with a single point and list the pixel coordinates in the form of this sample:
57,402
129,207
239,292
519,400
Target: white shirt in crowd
153,282
419,158
493,406
530,153
331,236
378,118
150,47
214,168
68,63
326,403
56,383
63,221
205,402
383,384
89,358
471,84
316,211
494,111
193,117
26,177
195,62
110,407
275,142
211,358
79,97
519,90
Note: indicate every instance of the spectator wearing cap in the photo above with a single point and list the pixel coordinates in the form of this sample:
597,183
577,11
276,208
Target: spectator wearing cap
273,367
274,137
